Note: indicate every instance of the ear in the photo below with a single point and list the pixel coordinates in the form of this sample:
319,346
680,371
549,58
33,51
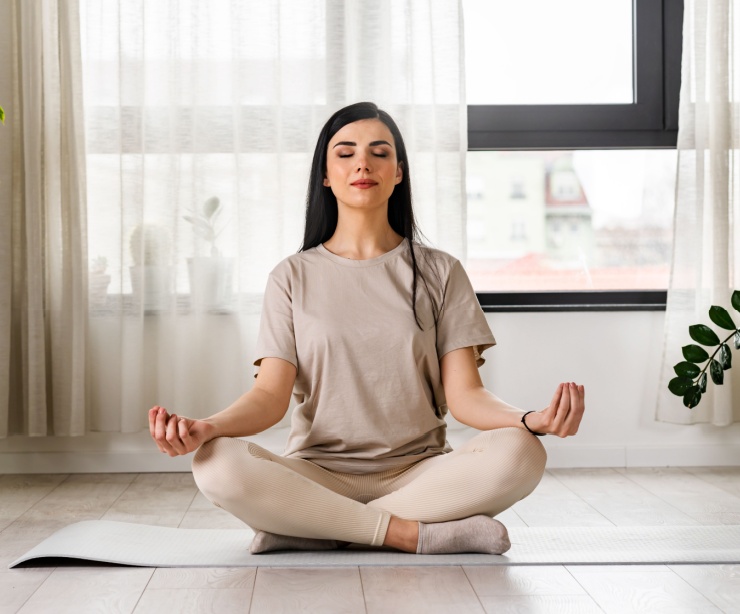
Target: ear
399,173
326,182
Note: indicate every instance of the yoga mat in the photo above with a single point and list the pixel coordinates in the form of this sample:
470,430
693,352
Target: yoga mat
153,546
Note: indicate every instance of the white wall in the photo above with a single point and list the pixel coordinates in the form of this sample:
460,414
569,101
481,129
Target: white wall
616,355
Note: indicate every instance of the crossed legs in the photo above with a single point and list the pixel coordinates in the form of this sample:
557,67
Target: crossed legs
294,497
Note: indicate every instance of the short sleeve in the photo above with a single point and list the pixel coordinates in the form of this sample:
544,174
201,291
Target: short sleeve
462,322
276,338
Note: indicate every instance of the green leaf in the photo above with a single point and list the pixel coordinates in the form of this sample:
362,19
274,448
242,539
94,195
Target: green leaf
692,397
735,299
198,222
695,353
211,207
721,318
703,334
679,385
703,383
737,340
687,369
715,370
725,357
2,115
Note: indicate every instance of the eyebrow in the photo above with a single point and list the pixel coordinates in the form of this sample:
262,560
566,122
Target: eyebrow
353,144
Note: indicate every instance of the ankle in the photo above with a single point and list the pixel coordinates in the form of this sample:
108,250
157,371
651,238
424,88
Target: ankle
402,535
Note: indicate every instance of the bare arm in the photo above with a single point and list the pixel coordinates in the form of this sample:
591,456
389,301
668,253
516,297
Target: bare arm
255,411
471,404
261,407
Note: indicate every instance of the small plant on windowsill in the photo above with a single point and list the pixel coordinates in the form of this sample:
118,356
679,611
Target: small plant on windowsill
211,277
204,223
691,380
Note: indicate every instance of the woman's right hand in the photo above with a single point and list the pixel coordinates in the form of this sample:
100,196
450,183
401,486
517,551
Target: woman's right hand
177,435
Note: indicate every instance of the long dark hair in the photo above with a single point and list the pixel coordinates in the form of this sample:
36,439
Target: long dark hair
321,204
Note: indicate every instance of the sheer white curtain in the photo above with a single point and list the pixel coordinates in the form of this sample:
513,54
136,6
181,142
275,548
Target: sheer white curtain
190,101
43,291
706,259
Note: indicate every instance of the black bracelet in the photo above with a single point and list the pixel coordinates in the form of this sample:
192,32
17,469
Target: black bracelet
529,429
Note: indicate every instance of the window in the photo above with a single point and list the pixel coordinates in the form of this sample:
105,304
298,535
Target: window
571,140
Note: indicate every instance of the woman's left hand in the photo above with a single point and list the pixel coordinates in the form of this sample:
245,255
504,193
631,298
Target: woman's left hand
563,416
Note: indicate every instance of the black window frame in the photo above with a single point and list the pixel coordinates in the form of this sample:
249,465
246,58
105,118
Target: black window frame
650,122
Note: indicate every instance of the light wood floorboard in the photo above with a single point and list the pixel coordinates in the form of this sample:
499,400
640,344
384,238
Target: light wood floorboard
718,583
33,507
694,496
635,591
422,590
620,499
289,590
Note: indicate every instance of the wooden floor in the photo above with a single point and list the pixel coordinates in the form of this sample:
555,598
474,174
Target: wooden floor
34,506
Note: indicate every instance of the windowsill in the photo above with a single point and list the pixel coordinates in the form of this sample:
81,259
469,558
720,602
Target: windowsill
588,300
591,300
175,304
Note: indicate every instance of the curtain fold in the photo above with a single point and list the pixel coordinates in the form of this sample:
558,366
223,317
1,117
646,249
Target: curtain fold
43,273
706,261
201,119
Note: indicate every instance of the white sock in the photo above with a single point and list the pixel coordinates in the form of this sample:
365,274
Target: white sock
474,534
269,542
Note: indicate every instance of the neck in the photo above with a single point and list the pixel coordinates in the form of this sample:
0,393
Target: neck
361,235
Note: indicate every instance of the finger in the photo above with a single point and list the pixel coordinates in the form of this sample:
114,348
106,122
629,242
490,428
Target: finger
551,409
152,418
576,412
173,437
160,430
183,431
562,410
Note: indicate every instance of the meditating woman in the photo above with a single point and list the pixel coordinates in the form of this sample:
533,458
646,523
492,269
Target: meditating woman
376,336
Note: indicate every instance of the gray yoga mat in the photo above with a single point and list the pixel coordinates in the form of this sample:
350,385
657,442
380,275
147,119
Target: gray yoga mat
152,546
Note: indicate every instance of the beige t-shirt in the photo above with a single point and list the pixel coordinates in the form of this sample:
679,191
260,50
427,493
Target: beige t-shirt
368,388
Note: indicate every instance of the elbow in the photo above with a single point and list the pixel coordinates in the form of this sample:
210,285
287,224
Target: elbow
459,404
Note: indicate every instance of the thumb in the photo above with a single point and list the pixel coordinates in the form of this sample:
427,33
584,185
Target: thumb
183,428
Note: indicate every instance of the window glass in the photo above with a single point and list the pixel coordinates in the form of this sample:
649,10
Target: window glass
570,220
548,52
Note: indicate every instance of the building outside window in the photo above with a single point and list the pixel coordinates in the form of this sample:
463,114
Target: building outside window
571,138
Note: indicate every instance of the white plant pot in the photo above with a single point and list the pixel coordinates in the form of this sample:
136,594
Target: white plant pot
98,289
211,283
152,287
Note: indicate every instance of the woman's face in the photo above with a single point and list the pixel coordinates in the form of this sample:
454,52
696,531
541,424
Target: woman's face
361,165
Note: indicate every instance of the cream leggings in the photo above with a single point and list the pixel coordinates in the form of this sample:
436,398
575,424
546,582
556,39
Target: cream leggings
291,496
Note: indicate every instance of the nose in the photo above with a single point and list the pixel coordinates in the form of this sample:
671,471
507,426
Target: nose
362,164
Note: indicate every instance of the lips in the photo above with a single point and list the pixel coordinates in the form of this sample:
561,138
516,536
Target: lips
364,183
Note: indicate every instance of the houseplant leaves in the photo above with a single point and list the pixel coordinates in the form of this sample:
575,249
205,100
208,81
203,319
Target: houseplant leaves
703,334
721,318
691,380
695,353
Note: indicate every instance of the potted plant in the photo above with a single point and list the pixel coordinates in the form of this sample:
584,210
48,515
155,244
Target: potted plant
691,378
151,274
99,282
211,277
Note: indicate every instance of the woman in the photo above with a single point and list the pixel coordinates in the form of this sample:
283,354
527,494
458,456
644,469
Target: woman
375,335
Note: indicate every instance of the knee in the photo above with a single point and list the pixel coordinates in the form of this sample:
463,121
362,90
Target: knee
530,451
522,451
212,464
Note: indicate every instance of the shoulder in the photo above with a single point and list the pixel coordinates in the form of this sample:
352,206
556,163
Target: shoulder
291,265
441,263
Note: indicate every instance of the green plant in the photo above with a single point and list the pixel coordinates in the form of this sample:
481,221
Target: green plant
2,115
204,222
691,380
150,245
